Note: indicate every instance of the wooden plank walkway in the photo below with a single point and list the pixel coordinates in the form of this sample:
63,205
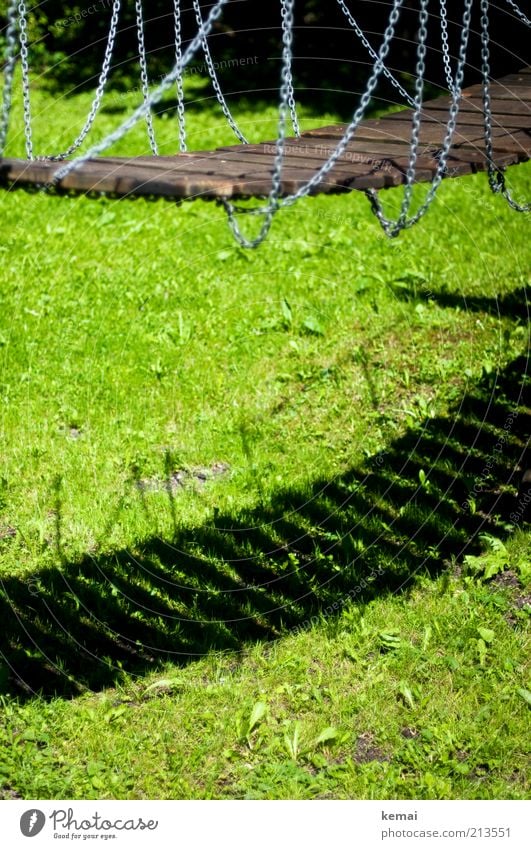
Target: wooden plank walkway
377,158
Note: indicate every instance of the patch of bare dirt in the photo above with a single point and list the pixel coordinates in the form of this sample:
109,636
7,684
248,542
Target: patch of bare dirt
366,750
179,479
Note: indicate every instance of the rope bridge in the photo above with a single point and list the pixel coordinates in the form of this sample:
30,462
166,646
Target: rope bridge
483,127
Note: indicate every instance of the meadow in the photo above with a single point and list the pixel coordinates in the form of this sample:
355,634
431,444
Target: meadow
260,534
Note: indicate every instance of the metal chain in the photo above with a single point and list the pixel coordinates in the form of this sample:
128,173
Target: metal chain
275,202
179,81
102,82
155,96
214,78
519,12
144,75
368,46
23,36
286,10
446,46
392,228
9,69
496,174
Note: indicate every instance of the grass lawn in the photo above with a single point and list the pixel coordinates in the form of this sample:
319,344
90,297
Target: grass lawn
259,527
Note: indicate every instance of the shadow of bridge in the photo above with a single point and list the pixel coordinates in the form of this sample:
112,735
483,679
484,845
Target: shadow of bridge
251,577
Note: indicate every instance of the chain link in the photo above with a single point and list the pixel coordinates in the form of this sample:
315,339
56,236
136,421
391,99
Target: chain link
392,228
446,46
274,202
156,95
519,12
214,78
495,174
102,82
144,75
9,70
368,46
179,81
287,14
23,36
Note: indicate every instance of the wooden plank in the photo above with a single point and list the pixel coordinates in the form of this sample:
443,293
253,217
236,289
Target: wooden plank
247,167
520,91
377,157
426,167
430,132
465,121
129,180
499,108
380,152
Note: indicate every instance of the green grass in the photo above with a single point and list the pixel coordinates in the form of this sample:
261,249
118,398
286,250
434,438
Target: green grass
235,479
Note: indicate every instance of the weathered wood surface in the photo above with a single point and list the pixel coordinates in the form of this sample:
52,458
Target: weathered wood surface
377,157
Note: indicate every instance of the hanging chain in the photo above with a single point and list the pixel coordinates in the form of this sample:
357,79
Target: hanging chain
23,35
144,75
275,202
179,81
368,46
287,10
496,174
9,69
392,228
519,12
102,82
156,95
214,78
446,46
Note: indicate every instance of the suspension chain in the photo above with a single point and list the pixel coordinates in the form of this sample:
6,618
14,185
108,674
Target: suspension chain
368,46
496,174
102,82
154,97
275,202
179,81
144,75
24,61
446,46
9,69
214,78
392,228
287,13
519,12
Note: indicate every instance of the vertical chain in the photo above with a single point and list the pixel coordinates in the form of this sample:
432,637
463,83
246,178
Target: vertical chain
361,35
9,69
496,174
274,202
392,228
154,97
179,81
214,78
287,10
446,46
102,82
23,35
144,75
